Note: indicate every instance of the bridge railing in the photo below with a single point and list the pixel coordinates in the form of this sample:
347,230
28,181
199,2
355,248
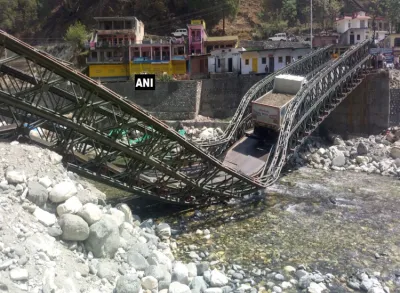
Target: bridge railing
312,104
240,121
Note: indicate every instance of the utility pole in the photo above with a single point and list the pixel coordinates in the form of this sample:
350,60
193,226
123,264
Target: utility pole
311,23
223,21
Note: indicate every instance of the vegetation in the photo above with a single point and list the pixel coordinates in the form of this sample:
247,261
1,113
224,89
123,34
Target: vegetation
52,18
165,77
77,34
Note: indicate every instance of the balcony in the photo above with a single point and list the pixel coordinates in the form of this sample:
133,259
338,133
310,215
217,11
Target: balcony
116,32
111,60
196,39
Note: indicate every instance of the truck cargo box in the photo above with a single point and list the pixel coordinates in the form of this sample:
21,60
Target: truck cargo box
269,110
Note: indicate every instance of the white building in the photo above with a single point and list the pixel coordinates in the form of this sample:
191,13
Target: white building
224,60
255,61
358,27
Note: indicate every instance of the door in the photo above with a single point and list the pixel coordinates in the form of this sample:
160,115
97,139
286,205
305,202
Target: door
230,65
271,64
254,65
222,65
288,59
351,39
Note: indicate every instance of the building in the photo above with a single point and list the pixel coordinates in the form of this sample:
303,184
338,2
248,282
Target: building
198,66
359,27
196,37
224,60
394,40
213,43
118,50
325,39
255,61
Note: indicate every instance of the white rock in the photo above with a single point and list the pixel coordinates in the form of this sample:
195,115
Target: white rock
45,181
118,216
176,287
19,274
316,288
44,217
71,206
180,273
289,269
286,285
48,281
62,191
55,158
395,152
149,283
91,213
218,279
15,177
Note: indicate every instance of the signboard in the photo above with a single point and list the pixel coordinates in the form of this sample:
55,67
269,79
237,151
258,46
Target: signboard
387,52
198,21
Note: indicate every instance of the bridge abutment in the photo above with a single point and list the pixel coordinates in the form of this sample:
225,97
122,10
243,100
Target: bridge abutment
366,111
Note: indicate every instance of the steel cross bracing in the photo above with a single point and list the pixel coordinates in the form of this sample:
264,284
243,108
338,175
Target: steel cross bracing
75,115
241,121
314,103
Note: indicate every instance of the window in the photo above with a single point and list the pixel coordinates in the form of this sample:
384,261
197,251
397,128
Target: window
358,37
264,60
362,23
246,61
397,42
300,57
349,25
280,59
288,59
219,63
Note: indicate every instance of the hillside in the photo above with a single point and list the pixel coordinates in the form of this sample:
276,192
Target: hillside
49,19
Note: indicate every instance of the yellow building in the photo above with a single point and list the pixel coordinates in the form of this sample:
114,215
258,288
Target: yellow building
118,51
395,43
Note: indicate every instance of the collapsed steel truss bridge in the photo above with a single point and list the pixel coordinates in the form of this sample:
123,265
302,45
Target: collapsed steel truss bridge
74,115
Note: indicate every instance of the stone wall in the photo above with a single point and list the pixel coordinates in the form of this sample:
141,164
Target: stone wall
176,100
183,100
394,119
221,97
365,111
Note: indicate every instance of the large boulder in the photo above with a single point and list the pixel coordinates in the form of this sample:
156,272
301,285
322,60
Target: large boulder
395,152
15,177
180,273
103,240
37,193
137,261
71,206
218,279
74,228
176,287
91,213
62,191
128,284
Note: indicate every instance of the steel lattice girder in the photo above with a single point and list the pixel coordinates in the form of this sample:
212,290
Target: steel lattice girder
307,66
78,113
313,103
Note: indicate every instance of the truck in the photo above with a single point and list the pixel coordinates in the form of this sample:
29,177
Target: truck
269,110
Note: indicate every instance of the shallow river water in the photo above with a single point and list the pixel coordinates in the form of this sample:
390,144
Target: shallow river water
334,222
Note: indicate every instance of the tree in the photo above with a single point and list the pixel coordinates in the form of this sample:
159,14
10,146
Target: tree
212,11
289,11
377,8
394,14
8,14
77,34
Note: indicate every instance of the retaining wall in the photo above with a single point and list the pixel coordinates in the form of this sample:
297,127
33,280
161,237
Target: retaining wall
394,118
176,100
365,111
221,97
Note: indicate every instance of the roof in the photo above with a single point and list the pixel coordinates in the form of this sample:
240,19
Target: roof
285,45
275,49
115,18
223,39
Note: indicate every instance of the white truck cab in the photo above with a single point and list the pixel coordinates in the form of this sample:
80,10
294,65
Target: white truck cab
180,32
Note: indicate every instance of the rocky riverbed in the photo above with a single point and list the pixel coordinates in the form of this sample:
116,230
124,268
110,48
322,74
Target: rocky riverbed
315,231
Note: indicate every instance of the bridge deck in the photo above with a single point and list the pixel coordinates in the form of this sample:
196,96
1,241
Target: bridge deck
246,156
